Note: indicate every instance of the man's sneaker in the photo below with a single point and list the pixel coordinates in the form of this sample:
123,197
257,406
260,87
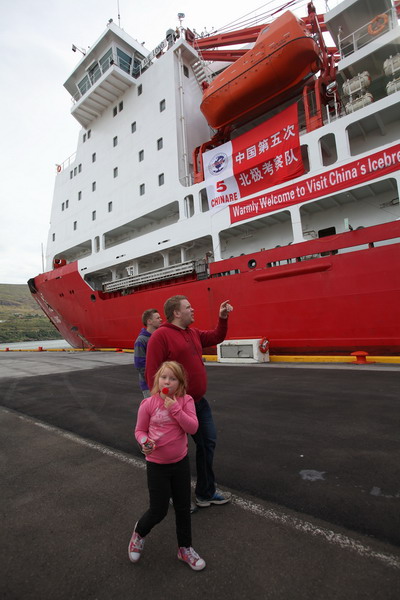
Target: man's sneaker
189,556
135,546
216,499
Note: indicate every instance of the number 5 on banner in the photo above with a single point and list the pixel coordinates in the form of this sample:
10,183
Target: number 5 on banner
220,186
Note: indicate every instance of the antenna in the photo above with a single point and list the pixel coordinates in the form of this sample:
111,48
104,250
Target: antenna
81,50
119,16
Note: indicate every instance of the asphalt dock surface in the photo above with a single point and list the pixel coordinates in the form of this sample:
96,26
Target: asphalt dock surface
311,454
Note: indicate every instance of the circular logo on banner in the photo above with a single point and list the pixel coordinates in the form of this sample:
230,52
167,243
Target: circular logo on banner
218,163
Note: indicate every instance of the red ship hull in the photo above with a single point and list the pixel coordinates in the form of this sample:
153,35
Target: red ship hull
301,301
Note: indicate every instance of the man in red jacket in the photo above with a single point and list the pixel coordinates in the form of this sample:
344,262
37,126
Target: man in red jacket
176,340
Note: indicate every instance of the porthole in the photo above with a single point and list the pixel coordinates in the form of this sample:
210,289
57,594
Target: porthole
93,298
252,263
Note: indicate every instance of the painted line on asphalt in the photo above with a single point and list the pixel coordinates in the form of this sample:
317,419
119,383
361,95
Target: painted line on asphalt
328,535
336,539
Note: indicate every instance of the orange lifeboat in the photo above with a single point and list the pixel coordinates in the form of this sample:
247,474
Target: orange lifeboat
284,56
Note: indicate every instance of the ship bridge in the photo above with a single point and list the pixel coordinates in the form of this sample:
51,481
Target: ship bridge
105,72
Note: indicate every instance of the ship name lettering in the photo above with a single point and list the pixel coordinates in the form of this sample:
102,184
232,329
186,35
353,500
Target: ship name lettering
224,199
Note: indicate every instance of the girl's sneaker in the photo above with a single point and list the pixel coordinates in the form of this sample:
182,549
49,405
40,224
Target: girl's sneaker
135,547
189,556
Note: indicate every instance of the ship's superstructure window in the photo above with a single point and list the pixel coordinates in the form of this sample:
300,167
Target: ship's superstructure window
105,61
93,215
162,105
89,133
370,132
124,60
66,204
84,137
305,158
97,243
115,111
189,206
121,106
63,206
110,207
185,71
133,127
115,172
328,149
143,225
204,206
71,174
94,157
161,179
93,186
79,195
75,225
115,141
160,144
142,189
54,237
75,171
141,155
79,168
94,72
84,85
140,90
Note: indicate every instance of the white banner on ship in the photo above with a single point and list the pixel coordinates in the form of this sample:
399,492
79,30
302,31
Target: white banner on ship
261,158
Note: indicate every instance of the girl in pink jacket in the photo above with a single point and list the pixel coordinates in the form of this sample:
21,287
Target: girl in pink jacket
163,422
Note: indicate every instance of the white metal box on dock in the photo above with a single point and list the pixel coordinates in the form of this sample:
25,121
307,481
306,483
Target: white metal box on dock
243,351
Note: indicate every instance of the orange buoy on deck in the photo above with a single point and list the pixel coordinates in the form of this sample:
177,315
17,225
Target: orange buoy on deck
283,57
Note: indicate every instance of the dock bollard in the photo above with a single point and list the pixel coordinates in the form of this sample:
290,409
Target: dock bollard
361,357
40,348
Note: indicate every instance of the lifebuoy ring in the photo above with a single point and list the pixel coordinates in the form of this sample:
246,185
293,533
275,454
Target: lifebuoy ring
378,24
264,345
58,168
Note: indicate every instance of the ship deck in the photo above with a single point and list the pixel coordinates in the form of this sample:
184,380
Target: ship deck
310,452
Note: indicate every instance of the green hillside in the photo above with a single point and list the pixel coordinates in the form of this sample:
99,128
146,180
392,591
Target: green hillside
21,319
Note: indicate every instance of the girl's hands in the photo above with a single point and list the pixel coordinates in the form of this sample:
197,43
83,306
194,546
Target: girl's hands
148,447
168,402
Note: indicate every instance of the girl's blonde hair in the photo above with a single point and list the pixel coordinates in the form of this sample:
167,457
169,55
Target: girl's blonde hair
179,373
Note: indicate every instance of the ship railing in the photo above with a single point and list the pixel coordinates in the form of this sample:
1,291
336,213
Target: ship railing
66,163
133,281
359,38
132,67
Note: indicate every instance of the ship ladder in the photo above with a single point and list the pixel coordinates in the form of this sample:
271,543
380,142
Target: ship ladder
200,72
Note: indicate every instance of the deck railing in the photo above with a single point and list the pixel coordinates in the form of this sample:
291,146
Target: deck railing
369,32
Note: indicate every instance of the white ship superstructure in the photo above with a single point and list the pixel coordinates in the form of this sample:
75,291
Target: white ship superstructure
123,204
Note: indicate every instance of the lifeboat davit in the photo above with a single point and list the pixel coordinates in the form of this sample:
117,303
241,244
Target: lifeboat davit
284,56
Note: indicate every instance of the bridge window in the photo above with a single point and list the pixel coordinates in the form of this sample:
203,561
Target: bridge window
124,60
